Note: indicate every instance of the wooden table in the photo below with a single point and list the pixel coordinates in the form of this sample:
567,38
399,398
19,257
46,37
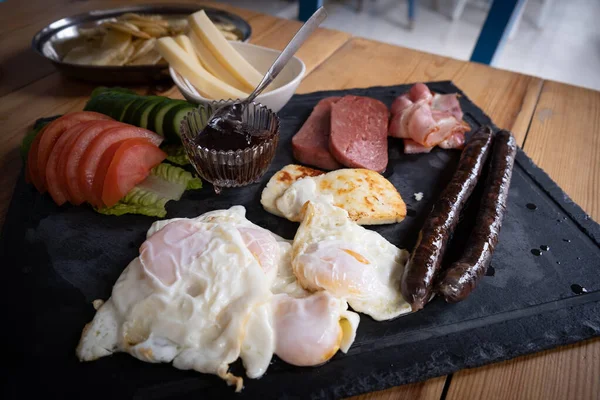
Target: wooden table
557,125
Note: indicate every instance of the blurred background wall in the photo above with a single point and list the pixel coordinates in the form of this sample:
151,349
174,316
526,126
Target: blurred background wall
552,39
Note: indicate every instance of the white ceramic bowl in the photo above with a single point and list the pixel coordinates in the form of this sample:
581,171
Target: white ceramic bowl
279,92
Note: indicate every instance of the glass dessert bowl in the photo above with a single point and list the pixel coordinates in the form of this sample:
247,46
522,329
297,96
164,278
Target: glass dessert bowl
237,155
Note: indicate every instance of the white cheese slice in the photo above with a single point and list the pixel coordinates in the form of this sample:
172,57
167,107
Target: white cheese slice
212,65
191,69
184,42
233,61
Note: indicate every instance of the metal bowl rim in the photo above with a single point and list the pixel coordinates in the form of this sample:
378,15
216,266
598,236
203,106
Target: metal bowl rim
44,34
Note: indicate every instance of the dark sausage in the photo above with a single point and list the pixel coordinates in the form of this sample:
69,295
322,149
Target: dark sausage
459,280
425,261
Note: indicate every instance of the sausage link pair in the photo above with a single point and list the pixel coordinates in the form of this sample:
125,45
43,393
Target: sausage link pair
425,261
459,280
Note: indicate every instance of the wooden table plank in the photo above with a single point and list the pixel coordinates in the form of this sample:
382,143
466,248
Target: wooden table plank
569,372
431,389
509,98
319,46
15,15
564,141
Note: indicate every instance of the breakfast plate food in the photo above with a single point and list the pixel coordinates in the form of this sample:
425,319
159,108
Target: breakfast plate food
116,45
355,240
71,269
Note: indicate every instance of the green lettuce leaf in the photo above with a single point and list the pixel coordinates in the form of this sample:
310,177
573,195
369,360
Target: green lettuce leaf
178,175
176,154
166,182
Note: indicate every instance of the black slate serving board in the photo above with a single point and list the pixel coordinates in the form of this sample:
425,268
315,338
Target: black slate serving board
57,260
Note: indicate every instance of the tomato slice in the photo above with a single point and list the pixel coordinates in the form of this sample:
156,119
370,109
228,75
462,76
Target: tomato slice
130,165
32,169
54,130
103,165
89,163
71,155
55,175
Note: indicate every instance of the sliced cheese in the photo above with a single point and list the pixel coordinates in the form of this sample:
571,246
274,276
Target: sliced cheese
185,43
191,69
202,26
212,65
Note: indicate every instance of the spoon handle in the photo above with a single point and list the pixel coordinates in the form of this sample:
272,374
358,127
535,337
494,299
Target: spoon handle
303,33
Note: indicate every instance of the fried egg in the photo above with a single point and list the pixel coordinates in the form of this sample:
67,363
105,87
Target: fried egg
310,330
200,295
309,327
330,252
193,297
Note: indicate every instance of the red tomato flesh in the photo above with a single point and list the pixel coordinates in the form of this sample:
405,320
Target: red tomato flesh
91,158
54,130
55,172
103,165
130,165
71,155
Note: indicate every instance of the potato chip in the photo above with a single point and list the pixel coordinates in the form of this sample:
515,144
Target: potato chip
155,31
127,27
114,44
178,26
142,47
128,40
123,56
85,56
151,24
226,26
117,40
150,58
230,35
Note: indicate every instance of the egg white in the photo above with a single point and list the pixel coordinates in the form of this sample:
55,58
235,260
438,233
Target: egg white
196,314
330,252
208,290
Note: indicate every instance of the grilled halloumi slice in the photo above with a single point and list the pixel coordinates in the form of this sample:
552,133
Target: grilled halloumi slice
368,197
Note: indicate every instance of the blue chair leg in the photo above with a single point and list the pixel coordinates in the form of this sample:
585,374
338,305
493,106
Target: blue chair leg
306,8
412,13
496,29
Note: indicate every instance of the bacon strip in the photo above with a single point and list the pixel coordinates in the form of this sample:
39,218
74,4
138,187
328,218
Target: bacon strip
425,120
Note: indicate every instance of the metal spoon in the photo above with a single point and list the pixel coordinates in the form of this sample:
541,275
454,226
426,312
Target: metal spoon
229,116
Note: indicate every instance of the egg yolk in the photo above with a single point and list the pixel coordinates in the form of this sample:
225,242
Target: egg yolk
263,247
308,330
163,254
333,266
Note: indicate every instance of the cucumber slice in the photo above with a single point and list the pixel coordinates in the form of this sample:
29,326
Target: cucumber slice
98,104
125,107
154,111
172,121
132,110
145,109
109,103
161,112
119,103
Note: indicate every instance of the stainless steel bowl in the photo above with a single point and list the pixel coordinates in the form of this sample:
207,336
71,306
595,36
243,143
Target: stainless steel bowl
45,40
